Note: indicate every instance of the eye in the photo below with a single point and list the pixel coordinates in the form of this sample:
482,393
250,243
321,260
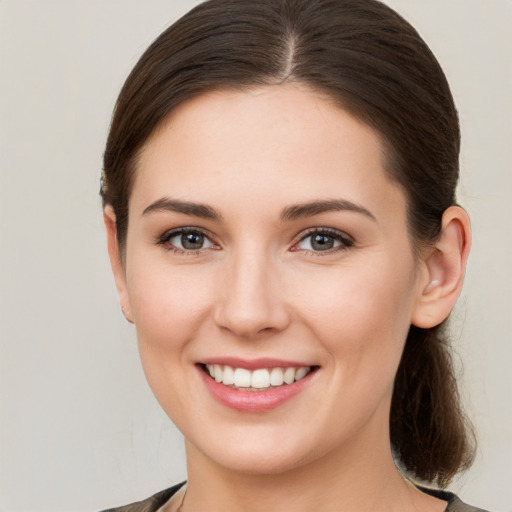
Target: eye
185,240
323,240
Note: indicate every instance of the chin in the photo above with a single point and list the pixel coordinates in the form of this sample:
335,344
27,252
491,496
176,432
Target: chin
259,462
260,452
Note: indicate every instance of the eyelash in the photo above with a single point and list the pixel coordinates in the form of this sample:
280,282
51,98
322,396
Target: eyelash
164,241
345,242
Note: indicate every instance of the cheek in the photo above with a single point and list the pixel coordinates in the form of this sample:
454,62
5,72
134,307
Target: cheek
168,303
169,306
361,315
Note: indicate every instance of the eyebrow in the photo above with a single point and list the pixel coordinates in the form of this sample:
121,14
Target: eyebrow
174,205
292,212
312,208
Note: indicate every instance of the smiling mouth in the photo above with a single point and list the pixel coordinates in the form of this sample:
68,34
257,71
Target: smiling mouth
261,379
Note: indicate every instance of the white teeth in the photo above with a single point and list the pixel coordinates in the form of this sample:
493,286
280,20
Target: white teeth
261,378
276,377
289,375
242,378
228,376
301,373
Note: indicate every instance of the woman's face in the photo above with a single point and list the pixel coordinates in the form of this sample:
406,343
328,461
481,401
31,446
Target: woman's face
264,236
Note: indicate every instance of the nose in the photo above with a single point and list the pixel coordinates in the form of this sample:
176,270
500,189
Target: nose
252,302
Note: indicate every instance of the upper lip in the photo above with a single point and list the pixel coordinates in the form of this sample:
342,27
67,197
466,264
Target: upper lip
253,364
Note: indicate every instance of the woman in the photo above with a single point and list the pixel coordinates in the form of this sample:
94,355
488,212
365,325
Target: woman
279,198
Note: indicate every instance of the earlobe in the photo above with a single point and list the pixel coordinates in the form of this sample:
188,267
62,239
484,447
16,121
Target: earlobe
443,269
116,261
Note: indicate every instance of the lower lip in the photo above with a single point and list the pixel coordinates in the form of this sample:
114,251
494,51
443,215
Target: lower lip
253,401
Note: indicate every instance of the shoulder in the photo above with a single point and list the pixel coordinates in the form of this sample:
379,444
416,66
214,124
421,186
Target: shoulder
151,504
454,503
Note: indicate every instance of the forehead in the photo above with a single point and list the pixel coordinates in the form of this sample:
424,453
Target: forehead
251,144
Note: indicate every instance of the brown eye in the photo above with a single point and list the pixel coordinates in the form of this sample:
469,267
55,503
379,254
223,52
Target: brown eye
186,240
192,241
323,241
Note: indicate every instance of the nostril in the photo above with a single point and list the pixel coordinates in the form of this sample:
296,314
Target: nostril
252,322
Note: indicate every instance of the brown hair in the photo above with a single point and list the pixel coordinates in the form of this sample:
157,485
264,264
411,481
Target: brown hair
371,62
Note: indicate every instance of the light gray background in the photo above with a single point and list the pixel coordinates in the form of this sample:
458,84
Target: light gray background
79,428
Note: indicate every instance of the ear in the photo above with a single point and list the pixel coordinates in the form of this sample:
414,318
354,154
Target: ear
116,261
442,270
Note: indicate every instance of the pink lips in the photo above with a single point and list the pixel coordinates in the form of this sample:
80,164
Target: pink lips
252,401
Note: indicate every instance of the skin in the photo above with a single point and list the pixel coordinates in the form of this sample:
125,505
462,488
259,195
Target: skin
258,288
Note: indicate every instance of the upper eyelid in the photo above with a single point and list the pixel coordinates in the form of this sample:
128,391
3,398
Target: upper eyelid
342,235
325,230
185,229
171,233
346,241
